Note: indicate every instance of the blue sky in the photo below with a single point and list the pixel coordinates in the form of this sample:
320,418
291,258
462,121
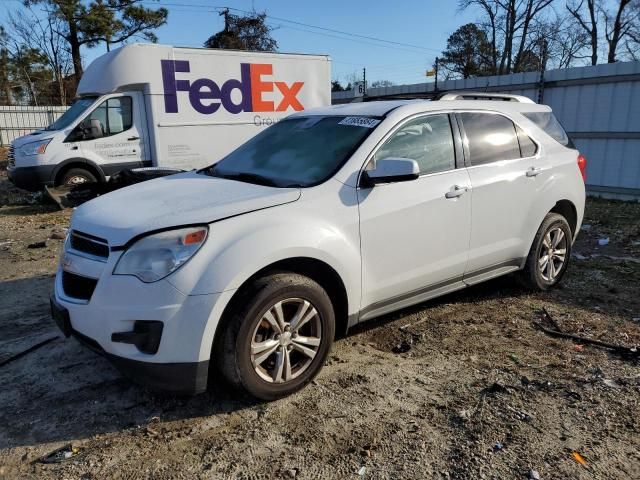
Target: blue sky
422,23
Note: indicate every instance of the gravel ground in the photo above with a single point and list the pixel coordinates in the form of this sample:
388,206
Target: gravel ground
460,387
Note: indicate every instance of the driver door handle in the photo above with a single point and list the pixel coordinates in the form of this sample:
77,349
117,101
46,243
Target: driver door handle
456,191
533,172
133,138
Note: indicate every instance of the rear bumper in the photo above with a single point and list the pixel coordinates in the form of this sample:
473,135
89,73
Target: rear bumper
186,378
31,178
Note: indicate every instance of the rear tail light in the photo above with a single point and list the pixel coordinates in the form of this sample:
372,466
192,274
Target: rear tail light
582,165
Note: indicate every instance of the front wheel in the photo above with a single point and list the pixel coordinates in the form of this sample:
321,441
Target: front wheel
77,176
549,255
279,337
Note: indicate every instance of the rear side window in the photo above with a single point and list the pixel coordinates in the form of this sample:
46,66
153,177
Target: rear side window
548,122
528,148
491,137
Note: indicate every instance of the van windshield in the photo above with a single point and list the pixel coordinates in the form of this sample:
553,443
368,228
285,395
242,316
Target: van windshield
296,152
76,109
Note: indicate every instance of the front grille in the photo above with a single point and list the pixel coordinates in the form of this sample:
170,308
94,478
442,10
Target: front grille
77,286
11,157
89,244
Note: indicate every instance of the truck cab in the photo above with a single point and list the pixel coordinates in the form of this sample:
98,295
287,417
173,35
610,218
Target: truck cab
97,137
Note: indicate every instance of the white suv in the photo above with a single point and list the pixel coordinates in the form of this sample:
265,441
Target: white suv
328,218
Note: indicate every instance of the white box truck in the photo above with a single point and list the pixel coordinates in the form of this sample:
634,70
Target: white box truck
156,105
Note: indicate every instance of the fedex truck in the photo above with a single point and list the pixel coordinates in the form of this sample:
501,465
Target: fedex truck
162,106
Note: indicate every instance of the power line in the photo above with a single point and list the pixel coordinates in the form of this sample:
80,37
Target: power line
295,22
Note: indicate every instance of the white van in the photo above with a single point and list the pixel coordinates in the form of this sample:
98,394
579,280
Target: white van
155,105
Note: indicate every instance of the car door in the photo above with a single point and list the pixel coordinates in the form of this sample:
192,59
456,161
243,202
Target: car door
415,234
507,175
116,141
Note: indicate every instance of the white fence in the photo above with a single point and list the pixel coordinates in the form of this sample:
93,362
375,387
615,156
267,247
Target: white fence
16,121
599,107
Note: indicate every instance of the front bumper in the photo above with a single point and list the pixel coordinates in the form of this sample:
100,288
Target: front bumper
181,362
31,178
187,378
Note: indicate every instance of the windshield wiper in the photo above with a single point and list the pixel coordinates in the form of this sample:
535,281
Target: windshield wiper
243,177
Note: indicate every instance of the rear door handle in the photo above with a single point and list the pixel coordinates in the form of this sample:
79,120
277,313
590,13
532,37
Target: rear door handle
533,172
133,138
456,191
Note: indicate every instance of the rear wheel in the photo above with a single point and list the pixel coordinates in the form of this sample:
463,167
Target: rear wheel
279,337
77,176
549,255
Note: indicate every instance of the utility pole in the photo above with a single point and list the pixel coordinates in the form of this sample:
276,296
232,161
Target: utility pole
543,67
225,12
364,83
435,87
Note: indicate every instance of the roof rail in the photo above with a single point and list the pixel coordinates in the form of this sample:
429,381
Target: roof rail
504,97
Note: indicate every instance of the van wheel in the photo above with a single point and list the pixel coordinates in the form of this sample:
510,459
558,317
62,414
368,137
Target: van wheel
279,337
77,176
549,255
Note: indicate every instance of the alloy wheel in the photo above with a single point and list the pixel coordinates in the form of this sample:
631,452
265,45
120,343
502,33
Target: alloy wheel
552,254
286,340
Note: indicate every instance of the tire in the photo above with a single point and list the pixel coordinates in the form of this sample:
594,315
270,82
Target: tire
77,176
254,321
539,274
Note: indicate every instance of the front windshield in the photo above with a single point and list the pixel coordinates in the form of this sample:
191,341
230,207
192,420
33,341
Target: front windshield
299,151
75,110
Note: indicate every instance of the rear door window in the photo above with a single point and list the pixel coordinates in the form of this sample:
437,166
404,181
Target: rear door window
548,122
491,137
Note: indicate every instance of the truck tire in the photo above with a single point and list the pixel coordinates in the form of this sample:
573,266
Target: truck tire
549,255
278,338
77,176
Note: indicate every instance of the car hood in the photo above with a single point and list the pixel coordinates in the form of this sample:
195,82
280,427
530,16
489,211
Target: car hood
172,201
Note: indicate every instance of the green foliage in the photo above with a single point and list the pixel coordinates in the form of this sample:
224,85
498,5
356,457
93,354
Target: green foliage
468,52
248,32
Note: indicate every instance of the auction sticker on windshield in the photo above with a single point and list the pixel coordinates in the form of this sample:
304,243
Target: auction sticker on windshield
359,122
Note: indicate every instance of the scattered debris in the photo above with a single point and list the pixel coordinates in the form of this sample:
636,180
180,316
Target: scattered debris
402,347
578,256
362,471
58,235
42,244
603,241
611,383
627,352
585,227
498,446
61,454
291,473
579,458
28,350
533,475
514,358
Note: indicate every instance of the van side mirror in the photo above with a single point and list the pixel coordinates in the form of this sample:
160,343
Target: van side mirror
388,170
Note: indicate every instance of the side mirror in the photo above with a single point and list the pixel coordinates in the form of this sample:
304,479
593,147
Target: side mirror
96,128
391,170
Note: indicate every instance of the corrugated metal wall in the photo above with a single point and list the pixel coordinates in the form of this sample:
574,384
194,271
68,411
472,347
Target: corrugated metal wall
16,121
598,105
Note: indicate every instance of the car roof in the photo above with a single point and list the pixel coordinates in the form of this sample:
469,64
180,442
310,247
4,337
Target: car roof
408,107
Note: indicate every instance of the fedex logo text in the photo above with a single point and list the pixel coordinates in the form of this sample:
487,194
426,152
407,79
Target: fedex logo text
206,96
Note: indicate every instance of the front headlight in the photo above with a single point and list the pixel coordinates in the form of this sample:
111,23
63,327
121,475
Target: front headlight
155,256
35,148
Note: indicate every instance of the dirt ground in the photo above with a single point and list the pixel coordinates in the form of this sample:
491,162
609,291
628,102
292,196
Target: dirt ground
460,387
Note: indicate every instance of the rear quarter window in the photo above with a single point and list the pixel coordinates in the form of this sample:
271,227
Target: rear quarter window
548,122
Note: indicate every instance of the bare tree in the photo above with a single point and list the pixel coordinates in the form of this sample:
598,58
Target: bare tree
619,24
508,24
40,34
588,21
